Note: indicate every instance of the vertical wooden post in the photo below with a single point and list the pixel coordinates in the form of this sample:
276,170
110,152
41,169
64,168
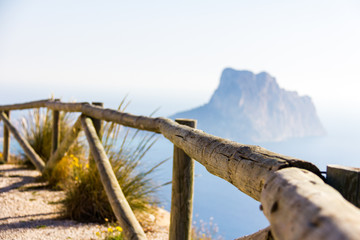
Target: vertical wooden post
97,122
6,141
346,180
56,130
182,191
98,128
29,151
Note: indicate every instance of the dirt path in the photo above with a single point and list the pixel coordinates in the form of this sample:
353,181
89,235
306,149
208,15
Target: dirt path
30,211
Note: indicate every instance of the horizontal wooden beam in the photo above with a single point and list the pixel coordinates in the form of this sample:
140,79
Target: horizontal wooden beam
299,205
264,234
27,105
244,166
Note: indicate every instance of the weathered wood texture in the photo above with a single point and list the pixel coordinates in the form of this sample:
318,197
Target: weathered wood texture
29,151
299,205
6,141
98,128
98,122
264,234
27,105
346,180
55,131
182,191
244,166
64,146
118,202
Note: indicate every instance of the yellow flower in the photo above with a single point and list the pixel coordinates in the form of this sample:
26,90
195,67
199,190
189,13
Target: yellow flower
106,220
119,229
76,179
97,234
110,230
87,165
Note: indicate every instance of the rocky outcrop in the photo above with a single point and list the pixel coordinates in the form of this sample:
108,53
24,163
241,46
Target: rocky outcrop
252,107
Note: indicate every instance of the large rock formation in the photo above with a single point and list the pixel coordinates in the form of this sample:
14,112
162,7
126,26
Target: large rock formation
252,107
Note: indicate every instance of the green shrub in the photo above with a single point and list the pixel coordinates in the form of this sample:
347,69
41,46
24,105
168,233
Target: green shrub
37,130
86,199
114,232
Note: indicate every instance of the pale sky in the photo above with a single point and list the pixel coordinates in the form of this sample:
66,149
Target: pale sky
170,54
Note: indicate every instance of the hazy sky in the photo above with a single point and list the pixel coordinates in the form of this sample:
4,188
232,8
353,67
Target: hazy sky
163,51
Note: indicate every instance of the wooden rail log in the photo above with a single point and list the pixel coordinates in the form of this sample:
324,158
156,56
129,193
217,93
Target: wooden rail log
29,151
27,105
244,166
264,234
118,202
65,144
299,205
126,119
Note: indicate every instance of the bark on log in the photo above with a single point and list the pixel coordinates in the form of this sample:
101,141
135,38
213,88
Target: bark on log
244,166
118,202
29,151
98,128
65,144
346,180
27,105
55,130
264,234
6,141
126,119
299,205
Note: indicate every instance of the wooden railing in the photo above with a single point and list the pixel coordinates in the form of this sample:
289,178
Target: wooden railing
293,195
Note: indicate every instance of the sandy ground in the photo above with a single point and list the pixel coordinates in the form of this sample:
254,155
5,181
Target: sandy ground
30,211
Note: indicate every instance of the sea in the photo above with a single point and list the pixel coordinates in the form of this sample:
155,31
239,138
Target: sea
221,208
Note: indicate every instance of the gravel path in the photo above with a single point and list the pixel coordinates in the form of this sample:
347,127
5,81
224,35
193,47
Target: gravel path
30,211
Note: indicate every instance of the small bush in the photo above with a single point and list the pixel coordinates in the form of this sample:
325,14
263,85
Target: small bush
86,200
37,130
113,232
67,171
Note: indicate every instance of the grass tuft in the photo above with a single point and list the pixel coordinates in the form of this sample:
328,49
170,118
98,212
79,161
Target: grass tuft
86,199
37,130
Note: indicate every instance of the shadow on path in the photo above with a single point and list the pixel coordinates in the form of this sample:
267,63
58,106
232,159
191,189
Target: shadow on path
24,180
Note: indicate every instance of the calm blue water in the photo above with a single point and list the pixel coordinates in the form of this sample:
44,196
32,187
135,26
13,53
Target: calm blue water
235,213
